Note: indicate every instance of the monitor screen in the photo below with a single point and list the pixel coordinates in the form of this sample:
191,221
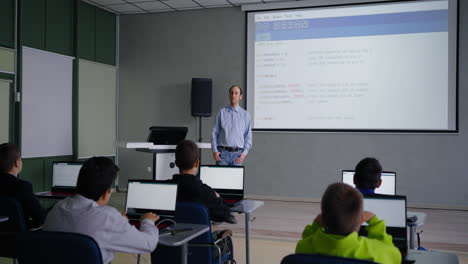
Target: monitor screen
223,177
65,174
392,209
151,196
388,181
167,135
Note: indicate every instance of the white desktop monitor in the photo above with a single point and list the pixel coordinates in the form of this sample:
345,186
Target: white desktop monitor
151,196
223,177
65,174
391,208
388,181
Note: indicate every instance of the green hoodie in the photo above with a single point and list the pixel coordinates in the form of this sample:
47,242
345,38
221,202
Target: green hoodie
377,247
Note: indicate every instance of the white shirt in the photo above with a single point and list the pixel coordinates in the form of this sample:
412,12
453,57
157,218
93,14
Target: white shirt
105,224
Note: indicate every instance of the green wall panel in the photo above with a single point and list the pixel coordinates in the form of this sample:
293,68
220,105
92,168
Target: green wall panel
105,37
7,60
59,26
5,96
33,171
86,42
33,25
7,23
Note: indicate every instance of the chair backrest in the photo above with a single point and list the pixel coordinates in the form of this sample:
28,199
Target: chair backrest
11,208
57,248
321,259
192,213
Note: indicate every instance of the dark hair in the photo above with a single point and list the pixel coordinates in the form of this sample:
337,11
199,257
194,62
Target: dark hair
9,153
367,173
96,176
232,87
341,209
186,154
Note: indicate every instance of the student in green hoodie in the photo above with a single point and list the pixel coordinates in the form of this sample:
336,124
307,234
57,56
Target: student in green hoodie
335,231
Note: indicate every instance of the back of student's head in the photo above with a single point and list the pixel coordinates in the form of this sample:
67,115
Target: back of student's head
96,177
341,209
186,154
368,173
9,153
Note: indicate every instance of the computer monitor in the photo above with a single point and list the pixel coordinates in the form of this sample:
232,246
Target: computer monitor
388,181
160,135
145,196
392,209
65,176
228,181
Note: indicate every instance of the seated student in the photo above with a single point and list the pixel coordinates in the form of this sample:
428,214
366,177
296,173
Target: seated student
87,213
10,186
335,231
367,175
192,189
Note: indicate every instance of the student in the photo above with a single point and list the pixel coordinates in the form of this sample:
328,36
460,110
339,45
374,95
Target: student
335,231
192,189
87,213
367,175
10,186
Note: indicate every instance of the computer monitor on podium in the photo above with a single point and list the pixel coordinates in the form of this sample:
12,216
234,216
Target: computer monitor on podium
160,135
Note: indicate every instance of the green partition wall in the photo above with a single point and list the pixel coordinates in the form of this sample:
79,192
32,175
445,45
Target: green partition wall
96,109
5,97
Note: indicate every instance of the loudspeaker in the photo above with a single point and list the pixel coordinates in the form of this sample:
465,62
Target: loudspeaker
201,96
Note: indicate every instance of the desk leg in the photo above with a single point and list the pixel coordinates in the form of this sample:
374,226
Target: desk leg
154,166
412,235
184,253
247,239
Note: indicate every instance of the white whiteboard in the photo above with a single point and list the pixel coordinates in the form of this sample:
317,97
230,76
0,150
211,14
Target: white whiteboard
46,108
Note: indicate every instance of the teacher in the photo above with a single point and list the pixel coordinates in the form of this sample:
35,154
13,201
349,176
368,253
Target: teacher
231,138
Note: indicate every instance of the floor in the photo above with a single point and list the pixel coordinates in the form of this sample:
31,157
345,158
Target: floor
276,227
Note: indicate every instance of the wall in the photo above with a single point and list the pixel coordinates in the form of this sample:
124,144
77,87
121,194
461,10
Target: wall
161,52
59,26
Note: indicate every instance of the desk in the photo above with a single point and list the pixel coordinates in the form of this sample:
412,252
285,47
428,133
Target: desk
164,155
182,239
246,207
4,219
50,195
421,217
433,257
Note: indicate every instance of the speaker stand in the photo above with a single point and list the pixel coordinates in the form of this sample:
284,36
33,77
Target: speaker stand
200,129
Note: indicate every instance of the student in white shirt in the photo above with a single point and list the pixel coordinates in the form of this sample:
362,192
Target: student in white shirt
87,213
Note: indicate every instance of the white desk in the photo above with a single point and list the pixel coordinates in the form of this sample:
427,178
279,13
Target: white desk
420,219
433,257
182,239
163,155
247,207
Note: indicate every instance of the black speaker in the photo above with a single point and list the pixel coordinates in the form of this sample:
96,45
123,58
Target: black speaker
201,96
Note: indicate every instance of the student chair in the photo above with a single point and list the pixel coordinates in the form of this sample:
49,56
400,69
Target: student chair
12,210
56,248
321,259
200,249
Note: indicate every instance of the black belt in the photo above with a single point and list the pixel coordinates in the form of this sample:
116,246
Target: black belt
230,149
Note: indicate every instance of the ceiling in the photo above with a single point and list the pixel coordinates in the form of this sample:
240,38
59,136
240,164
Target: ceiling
149,6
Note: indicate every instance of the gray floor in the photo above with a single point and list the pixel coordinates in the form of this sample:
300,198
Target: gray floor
279,224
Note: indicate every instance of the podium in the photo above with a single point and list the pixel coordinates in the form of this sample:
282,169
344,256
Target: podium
163,157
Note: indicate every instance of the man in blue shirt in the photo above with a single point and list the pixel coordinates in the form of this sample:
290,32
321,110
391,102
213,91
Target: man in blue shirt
367,175
231,138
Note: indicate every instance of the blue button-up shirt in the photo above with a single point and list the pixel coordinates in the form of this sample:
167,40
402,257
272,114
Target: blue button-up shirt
232,129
